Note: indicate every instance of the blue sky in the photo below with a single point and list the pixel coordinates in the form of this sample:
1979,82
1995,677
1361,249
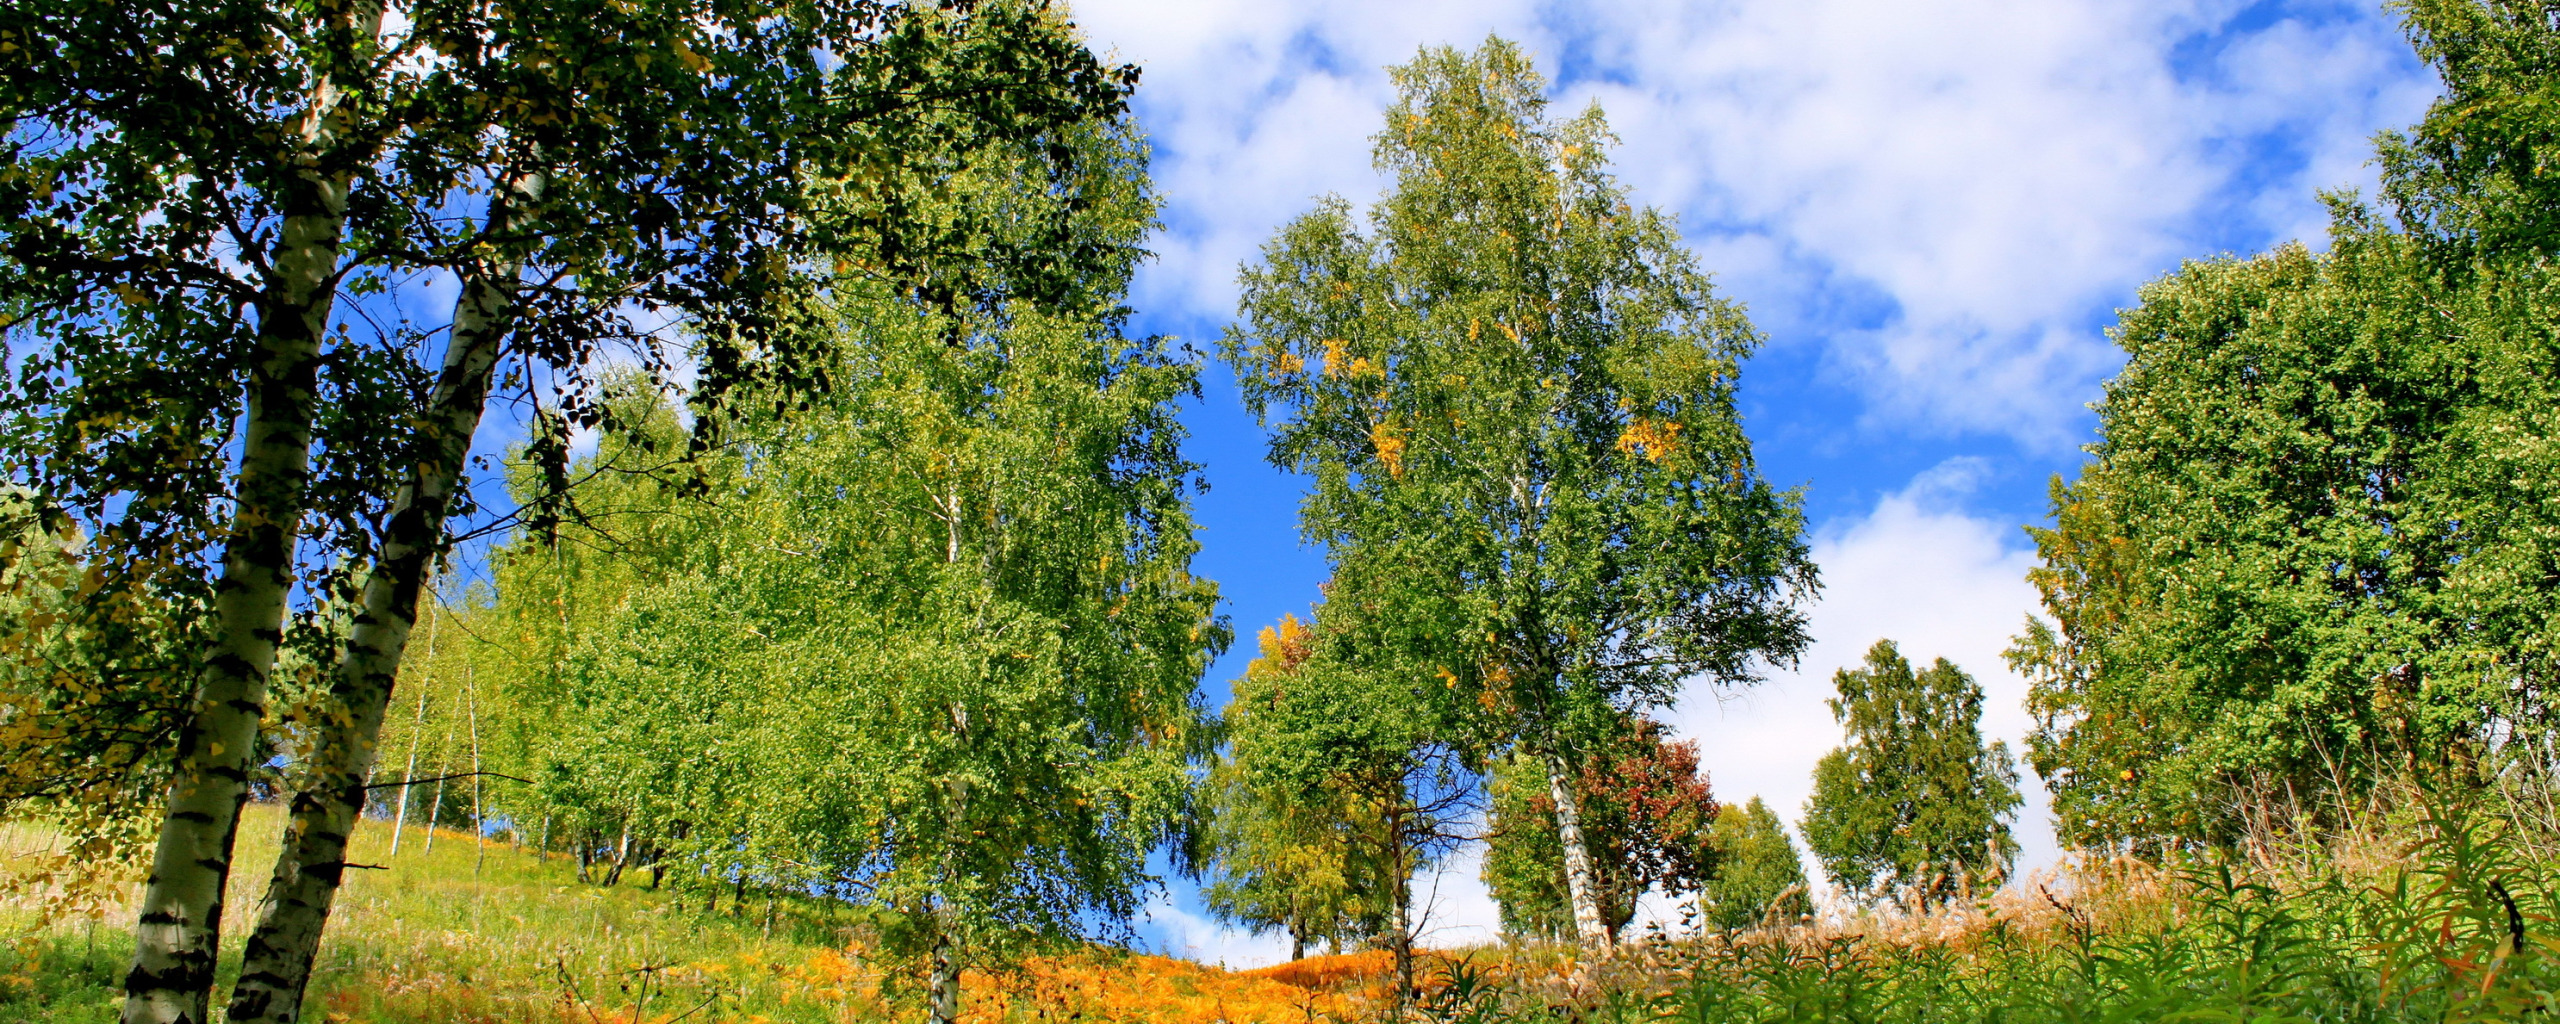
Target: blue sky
1932,208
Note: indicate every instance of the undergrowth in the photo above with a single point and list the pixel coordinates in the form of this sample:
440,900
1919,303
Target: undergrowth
2454,926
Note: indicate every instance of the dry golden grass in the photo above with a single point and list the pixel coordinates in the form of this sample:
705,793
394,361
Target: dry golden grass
486,933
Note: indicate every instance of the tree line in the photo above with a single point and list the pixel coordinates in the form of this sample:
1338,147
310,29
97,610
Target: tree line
269,265
848,549
2309,570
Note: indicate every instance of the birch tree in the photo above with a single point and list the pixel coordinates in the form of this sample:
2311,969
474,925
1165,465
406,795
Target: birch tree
1375,762
1646,815
928,642
1514,392
1915,799
192,189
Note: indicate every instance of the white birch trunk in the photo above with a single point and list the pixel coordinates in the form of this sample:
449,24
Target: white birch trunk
942,988
276,964
1588,928
178,932
417,726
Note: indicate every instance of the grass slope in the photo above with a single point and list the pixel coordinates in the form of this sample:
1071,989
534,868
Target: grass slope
465,932
2451,922
458,931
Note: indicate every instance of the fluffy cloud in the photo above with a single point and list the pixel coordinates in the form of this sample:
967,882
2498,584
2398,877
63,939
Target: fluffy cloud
1984,178
1176,927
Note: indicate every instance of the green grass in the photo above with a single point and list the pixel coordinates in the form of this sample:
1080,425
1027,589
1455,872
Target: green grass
2450,924
2453,926
465,932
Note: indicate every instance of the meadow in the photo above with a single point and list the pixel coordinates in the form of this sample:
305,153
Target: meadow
2455,926
463,931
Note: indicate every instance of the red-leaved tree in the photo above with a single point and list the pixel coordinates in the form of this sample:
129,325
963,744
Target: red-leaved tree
1646,813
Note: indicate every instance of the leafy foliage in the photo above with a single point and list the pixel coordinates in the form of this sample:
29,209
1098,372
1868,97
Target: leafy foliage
1350,769
1284,855
2343,579
1915,798
1758,878
1647,816
92,686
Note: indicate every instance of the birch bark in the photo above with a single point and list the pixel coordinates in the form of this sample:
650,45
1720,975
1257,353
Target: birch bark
179,930
276,964
417,726
1588,928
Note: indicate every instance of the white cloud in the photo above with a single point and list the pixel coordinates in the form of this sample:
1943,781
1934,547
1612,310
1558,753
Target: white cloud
1920,572
1179,930
1999,172
1451,908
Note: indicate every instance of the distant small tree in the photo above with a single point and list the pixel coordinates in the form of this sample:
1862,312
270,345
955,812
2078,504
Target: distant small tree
1646,814
1281,856
1368,752
1915,798
1757,876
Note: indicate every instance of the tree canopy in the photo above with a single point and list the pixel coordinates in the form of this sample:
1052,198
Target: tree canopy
1915,799
1514,393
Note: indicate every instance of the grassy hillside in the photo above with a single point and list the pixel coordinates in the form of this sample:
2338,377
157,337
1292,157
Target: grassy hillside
485,933
458,931
2449,927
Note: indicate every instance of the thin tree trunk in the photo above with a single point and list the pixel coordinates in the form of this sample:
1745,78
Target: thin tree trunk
435,801
479,809
1402,938
942,989
276,964
1588,927
417,727
621,856
178,932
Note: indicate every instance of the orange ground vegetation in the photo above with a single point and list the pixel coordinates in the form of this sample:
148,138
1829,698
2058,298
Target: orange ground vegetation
1142,989
1345,972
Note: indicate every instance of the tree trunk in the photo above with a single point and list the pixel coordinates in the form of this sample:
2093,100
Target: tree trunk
479,807
435,800
178,933
1402,939
417,729
942,989
276,964
1400,857
1588,928
621,856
